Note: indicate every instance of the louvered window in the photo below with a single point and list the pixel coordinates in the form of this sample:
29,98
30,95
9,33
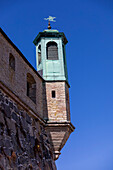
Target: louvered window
52,51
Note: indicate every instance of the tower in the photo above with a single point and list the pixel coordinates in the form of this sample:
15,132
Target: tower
51,65
50,55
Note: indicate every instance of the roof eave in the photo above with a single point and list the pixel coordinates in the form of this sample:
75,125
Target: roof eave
50,34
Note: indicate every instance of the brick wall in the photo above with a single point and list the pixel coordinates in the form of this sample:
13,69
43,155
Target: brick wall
58,107
67,102
16,80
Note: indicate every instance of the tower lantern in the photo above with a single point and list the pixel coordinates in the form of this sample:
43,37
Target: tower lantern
50,55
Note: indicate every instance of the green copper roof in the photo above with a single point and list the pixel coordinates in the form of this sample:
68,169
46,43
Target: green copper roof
50,30
50,33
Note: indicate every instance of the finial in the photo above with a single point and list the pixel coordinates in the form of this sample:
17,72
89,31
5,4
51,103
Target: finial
50,18
49,26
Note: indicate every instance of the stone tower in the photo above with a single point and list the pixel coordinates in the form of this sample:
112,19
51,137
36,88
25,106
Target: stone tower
51,65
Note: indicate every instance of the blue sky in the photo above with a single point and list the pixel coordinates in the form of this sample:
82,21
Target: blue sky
88,26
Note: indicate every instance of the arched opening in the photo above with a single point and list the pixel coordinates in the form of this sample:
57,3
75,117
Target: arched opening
12,61
31,87
52,51
39,54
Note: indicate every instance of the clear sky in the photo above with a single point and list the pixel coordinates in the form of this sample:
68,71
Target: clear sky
88,26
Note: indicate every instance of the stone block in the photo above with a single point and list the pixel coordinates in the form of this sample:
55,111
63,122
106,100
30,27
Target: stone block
14,116
1,129
15,109
2,118
28,119
21,160
1,98
6,101
1,142
11,104
27,137
7,151
32,141
24,124
7,111
11,125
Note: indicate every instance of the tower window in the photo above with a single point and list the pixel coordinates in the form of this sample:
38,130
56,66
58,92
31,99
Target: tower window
39,54
39,58
31,87
53,94
12,61
52,51
64,55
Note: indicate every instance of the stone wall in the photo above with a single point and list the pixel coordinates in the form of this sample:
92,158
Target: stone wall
24,143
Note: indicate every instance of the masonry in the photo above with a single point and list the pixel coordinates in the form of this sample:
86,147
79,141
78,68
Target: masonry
24,143
34,126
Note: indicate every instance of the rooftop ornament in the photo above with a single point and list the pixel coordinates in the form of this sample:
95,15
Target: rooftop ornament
50,18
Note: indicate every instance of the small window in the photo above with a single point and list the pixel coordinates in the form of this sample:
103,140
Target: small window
12,61
53,94
52,51
39,58
64,55
31,87
39,55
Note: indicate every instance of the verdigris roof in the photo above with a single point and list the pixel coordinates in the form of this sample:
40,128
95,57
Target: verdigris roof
50,33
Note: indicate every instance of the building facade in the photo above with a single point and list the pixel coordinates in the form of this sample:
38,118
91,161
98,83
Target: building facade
34,105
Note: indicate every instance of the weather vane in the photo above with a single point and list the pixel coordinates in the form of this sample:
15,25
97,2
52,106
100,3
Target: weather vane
50,18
